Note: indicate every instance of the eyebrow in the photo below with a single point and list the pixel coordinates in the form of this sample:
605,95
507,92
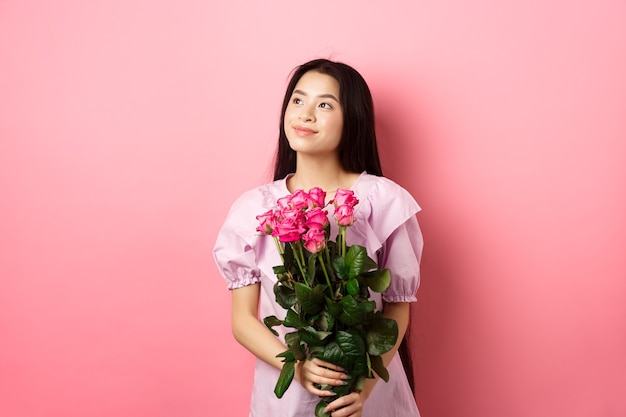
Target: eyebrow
320,96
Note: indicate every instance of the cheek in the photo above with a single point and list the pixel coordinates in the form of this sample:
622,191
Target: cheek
287,122
336,125
289,115
286,119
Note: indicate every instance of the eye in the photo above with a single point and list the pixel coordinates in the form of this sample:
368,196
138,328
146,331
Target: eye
326,106
296,100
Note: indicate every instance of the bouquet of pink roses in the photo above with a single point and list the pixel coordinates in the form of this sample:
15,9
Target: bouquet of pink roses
325,287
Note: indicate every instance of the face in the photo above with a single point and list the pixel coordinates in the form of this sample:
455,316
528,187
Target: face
314,117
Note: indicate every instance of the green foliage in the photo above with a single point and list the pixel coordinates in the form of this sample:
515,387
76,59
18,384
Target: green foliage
285,295
358,261
332,317
311,300
377,280
272,321
376,364
381,335
319,409
285,378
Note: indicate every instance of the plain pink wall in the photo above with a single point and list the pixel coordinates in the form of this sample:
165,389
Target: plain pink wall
128,127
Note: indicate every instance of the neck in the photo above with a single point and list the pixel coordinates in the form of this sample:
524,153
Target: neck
326,173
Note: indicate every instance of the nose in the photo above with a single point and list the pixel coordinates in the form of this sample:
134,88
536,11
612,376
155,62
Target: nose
306,114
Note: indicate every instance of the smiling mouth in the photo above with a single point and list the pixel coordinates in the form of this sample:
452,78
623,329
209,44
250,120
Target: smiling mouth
305,131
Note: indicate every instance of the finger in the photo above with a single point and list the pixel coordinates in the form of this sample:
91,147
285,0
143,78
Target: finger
348,405
326,372
324,380
321,375
328,365
318,392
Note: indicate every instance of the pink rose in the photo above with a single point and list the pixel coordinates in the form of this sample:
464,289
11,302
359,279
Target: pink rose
266,222
344,215
289,225
316,218
314,240
291,214
288,232
283,202
299,200
317,197
345,197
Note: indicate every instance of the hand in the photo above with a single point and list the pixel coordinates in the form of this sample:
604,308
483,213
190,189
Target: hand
316,371
350,405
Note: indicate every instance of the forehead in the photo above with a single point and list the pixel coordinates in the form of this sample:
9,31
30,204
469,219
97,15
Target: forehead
316,83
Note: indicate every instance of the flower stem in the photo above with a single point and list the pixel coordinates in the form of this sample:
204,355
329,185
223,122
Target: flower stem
330,270
281,250
323,264
299,256
342,232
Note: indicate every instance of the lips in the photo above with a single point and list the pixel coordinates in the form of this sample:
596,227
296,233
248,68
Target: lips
303,131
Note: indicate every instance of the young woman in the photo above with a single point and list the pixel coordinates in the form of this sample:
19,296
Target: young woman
327,140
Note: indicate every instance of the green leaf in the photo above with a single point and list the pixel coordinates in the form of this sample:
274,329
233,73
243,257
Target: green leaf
311,268
334,308
358,261
315,351
353,286
285,296
333,354
379,367
272,321
353,346
279,269
313,337
325,321
381,336
287,355
293,320
341,268
359,383
285,378
285,280
331,246
294,343
291,338
319,409
378,280
347,351
288,255
312,300
355,312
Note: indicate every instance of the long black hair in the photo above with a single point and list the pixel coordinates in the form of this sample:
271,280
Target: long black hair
358,150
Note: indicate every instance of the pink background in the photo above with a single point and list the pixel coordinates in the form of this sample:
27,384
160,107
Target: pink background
128,127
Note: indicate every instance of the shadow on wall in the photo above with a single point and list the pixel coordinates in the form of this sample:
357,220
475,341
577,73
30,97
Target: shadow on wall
404,136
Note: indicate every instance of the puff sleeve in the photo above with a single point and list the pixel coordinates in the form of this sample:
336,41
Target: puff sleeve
392,218
235,259
401,254
234,250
